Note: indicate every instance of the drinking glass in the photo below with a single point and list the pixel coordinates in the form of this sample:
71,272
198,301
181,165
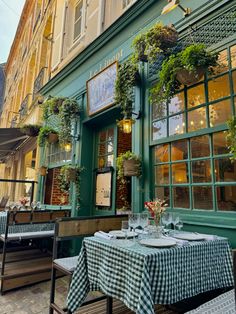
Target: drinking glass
34,205
125,228
179,225
134,222
38,205
166,219
143,220
175,219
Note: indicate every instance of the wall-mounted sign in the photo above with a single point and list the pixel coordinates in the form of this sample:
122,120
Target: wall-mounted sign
103,189
101,89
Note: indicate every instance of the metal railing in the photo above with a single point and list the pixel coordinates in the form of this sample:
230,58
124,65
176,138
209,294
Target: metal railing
24,107
39,82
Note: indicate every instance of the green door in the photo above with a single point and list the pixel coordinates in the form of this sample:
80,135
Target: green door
104,171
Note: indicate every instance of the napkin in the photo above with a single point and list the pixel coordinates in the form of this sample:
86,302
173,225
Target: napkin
104,235
178,241
208,237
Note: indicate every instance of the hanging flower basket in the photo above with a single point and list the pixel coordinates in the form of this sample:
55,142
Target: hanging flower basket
52,138
71,174
131,168
30,130
43,171
186,77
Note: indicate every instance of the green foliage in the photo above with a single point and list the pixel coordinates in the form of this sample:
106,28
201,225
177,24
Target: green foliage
127,78
119,164
51,106
231,136
158,39
44,133
68,174
191,58
30,129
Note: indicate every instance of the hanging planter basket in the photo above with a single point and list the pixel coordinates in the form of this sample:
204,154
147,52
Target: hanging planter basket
131,168
186,77
43,171
52,138
71,175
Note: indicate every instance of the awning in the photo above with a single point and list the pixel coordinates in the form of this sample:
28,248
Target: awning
10,140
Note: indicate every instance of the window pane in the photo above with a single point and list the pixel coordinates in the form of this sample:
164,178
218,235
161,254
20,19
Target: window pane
200,146
201,171
181,197
218,88
220,112
162,174
225,170
110,134
197,119
102,136
110,159
223,62
159,110
110,147
226,197
234,80
179,150
180,173
162,153
220,143
102,149
196,96
163,193
159,129
176,103
177,124
233,56
202,197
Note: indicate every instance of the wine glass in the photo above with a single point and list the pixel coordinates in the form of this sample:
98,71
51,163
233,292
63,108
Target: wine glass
134,222
166,219
143,220
125,228
38,205
34,205
179,225
175,219
12,205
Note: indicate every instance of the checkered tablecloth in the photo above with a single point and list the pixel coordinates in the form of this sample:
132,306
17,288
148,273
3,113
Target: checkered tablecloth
141,276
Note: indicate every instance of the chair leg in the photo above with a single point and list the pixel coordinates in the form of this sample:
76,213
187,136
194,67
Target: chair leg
109,305
52,292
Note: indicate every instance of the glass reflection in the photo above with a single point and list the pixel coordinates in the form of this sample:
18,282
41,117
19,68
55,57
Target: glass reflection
220,112
219,87
162,153
179,150
177,124
225,170
159,129
200,146
181,197
197,119
196,96
233,56
202,197
201,171
176,104
162,174
159,110
226,197
220,143
163,193
180,173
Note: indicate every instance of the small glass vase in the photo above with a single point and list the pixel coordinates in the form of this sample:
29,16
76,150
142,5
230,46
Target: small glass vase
156,231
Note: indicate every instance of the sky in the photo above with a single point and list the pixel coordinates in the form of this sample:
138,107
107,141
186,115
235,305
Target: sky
10,11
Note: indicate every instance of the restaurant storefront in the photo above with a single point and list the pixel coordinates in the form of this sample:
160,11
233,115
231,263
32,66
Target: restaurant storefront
183,147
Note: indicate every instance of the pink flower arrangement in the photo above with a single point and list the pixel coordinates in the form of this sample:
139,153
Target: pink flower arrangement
156,208
23,201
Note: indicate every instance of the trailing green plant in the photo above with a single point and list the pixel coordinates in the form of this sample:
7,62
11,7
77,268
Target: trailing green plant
44,134
120,164
68,111
127,78
52,106
191,58
68,174
158,39
231,136
30,129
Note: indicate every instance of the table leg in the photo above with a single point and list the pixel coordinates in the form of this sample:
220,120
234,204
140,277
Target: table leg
109,305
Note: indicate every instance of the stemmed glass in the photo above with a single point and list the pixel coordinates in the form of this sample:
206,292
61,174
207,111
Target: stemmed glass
38,205
143,220
134,222
175,219
179,225
166,219
125,228
34,205
12,205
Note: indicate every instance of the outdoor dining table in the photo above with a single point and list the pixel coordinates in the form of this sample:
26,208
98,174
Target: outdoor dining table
142,276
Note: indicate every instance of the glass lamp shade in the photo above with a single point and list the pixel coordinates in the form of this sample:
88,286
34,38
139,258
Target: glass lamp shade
170,6
67,147
126,125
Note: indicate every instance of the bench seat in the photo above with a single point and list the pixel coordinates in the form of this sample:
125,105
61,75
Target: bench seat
27,235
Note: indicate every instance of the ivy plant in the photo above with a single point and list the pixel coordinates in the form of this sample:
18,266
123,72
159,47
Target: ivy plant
44,133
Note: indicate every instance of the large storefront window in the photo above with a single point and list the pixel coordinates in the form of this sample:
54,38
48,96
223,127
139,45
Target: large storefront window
194,171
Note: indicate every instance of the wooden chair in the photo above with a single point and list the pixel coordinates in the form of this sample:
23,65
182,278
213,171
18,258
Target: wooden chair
24,263
72,228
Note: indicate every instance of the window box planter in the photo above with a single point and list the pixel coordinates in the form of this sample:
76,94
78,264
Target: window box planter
131,168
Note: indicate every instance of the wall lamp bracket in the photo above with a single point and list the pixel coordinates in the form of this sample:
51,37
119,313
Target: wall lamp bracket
172,4
138,115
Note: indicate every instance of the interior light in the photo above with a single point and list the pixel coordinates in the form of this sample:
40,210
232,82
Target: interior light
67,147
126,125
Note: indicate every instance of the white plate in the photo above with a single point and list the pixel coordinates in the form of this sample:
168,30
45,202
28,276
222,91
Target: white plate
189,236
158,242
121,235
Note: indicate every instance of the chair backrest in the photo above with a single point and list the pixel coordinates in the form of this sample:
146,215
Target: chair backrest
4,201
69,228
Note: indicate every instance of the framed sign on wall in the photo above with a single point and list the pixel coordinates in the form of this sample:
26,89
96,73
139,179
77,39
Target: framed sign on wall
101,89
103,188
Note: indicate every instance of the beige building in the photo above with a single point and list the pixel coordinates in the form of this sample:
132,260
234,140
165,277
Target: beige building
49,35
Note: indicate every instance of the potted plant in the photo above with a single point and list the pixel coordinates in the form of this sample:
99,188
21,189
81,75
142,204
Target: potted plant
30,129
128,164
127,78
68,111
51,106
231,136
186,67
47,133
158,39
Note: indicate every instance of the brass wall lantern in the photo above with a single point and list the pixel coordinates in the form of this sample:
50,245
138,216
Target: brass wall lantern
126,123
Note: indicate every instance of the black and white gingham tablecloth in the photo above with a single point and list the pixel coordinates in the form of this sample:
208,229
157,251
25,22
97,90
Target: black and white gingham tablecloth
141,276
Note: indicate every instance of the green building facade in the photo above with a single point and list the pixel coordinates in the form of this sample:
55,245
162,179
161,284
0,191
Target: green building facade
184,153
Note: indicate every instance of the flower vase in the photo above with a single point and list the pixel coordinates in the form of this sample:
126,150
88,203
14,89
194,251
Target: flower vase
156,231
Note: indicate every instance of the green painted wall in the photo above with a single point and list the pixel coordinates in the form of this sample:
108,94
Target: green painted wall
115,43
